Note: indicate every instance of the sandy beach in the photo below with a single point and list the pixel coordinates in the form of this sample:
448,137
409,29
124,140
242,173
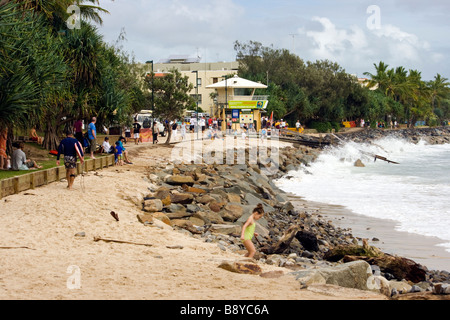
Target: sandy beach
41,254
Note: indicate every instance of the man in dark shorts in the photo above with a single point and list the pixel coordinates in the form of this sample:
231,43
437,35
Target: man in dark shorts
71,149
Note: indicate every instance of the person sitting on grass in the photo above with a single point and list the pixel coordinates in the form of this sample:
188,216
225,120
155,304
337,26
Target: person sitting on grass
34,136
19,160
106,147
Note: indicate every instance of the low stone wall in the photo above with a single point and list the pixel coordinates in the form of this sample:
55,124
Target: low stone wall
38,178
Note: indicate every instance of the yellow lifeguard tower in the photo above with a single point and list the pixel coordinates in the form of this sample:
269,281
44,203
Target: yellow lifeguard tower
238,103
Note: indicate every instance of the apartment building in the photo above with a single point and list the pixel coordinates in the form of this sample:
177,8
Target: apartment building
201,73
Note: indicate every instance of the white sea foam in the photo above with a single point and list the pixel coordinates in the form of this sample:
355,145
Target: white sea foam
414,193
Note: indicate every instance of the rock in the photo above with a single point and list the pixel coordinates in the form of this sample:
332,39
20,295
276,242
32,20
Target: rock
180,180
209,217
153,205
309,277
162,193
241,267
358,163
197,221
232,212
339,252
146,219
400,286
182,198
227,229
272,274
308,240
216,206
185,224
441,288
399,267
415,288
349,275
162,217
194,190
232,197
205,199
178,214
80,234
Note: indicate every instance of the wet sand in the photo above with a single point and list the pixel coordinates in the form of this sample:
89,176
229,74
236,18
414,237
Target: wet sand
421,249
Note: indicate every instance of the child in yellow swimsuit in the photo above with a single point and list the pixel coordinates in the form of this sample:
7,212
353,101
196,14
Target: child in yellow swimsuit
248,230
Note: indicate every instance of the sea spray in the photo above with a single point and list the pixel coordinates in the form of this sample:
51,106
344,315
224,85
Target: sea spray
413,193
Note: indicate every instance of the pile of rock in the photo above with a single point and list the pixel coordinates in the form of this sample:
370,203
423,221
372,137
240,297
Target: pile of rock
438,135
212,202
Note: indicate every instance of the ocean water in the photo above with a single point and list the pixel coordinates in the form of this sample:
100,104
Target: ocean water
414,193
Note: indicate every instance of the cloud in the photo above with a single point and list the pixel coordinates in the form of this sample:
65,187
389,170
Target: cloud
158,29
333,43
356,48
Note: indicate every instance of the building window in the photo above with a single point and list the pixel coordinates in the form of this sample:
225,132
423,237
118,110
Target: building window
215,80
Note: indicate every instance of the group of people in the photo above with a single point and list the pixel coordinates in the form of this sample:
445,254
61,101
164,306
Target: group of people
18,159
119,151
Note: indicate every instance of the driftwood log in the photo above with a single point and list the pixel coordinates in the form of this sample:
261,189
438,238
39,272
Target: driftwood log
96,239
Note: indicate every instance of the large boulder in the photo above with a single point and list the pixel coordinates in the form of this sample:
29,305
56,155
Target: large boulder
232,212
153,205
177,180
182,198
241,267
401,268
356,275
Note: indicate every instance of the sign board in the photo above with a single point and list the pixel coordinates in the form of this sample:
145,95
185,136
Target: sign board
261,104
246,117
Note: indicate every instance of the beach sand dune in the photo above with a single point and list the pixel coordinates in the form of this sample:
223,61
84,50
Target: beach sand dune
44,255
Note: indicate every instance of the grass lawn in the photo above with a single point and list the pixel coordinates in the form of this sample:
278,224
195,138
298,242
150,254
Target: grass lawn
38,154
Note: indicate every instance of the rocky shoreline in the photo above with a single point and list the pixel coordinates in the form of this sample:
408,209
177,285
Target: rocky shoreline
212,202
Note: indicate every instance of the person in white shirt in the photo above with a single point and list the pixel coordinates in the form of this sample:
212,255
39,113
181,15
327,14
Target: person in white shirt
106,147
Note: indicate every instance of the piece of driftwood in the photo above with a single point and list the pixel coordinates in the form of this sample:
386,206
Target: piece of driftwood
17,248
96,239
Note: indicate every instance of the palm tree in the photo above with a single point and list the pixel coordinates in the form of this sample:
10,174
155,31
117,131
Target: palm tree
57,9
380,78
439,89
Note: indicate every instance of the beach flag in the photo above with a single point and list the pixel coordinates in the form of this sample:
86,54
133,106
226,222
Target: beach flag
271,119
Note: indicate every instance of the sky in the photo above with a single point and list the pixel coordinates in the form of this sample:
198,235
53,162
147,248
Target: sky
356,34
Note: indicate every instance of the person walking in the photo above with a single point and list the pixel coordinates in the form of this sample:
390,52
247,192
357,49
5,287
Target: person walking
71,149
136,131
78,127
155,131
92,135
248,230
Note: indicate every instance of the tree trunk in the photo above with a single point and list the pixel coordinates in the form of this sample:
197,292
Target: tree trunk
51,140
169,134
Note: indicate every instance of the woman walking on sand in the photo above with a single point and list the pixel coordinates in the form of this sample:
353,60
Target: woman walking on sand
248,230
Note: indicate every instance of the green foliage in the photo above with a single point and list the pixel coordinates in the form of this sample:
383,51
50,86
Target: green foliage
50,79
324,127
171,96
299,90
